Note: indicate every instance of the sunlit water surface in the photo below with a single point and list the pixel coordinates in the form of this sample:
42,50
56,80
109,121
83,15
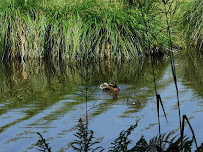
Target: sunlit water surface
46,97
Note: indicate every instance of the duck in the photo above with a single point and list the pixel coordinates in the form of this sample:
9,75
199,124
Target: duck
110,86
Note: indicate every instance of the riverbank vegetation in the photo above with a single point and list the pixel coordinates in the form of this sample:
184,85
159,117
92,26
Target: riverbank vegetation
191,24
89,29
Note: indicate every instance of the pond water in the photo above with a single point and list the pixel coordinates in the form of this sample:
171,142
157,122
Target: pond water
46,97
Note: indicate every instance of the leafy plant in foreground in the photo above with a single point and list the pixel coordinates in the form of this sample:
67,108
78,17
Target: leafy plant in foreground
168,144
85,141
42,144
121,143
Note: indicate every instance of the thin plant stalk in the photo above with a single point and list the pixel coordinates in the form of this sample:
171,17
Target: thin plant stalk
149,43
182,131
166,12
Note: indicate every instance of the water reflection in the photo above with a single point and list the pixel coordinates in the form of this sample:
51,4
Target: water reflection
114,95
46,97
192,72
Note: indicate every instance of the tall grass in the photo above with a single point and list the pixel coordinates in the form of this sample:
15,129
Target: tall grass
22,32
192,25
73,29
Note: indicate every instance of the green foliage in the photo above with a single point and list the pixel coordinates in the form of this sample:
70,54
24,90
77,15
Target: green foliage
121,143
81,29
166,145
141,145
192,25
42,144
60,29
85,141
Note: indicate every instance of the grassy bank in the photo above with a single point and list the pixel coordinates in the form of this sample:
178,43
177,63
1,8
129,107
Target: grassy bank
75,29
85,29
192,25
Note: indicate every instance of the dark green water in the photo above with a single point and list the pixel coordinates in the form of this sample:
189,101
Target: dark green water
46,97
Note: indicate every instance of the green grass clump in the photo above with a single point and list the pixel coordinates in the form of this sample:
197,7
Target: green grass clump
75,29
192,25
22,30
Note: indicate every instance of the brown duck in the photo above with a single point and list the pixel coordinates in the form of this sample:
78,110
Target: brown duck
110,86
